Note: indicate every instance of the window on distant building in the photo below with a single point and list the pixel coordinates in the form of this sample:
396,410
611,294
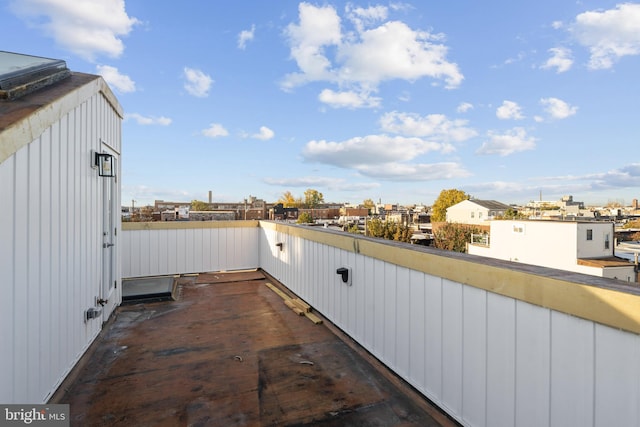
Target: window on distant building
589,234
479,215
606,241
473,214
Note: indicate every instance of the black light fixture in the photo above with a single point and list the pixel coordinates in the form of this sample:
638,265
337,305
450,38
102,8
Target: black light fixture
345,275
104,162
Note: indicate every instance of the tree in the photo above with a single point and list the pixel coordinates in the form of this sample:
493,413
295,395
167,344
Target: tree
512,213
446,199
197,205
289,201
453,236
632,224
312,198
389,230
369,204
305,218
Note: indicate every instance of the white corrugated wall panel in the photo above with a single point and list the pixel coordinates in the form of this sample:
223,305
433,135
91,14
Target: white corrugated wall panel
452,346
7,302
533,363
389,313
433,337
378,309
501,321
180,251
572,371
21,284
403,321
417,329
474,356
617,371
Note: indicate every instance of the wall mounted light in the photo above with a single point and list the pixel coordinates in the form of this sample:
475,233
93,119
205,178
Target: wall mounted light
104,163
279,245
345,275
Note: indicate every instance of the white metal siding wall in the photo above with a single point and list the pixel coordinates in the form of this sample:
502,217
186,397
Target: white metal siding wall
179,251
50,256
488,360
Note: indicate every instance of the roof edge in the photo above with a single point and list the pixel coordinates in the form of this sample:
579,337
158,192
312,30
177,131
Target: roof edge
25,130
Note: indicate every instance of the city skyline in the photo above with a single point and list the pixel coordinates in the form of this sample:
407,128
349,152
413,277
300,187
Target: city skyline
383,101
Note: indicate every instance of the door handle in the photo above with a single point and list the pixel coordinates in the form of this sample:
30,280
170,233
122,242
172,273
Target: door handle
108,245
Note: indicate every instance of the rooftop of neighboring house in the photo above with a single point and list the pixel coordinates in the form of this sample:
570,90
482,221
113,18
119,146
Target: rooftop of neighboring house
490,204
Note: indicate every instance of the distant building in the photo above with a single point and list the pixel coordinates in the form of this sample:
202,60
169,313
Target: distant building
212,216
354,212
280,213
250,208
475,211
583,247
321,212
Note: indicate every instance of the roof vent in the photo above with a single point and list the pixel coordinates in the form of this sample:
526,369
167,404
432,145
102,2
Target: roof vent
22,74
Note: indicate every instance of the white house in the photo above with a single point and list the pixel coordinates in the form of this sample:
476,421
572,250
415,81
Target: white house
581,247
475,211
60,141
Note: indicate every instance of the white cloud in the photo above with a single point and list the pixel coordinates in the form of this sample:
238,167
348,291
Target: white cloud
560,60
363,58
610,34
122,83
348,99
509,110
246,36
384,157
197,82
557,108
401,7
86,28
319,27
464,107
433,126
366,17
368,150
215,130
149,120
415,172
395,51
627,176
264,134
337,184
510,142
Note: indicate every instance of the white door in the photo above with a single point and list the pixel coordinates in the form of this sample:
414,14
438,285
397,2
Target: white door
109,241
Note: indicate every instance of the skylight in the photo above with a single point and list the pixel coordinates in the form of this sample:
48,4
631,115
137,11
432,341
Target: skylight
21,74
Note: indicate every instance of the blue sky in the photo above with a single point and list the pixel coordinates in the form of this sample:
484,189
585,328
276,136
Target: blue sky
505,100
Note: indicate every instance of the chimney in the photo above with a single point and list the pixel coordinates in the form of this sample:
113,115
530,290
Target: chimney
210,197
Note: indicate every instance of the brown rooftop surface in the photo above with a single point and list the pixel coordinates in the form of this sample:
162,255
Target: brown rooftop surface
229,352
611,261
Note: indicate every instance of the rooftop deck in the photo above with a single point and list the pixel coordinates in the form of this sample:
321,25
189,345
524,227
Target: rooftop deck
229,352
